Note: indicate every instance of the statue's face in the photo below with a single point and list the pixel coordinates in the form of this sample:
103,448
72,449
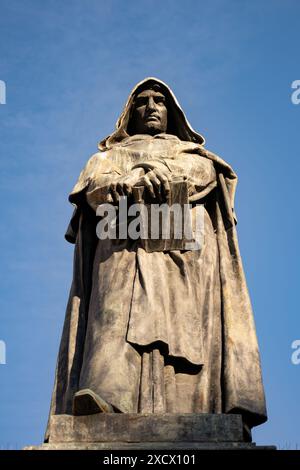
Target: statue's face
150,114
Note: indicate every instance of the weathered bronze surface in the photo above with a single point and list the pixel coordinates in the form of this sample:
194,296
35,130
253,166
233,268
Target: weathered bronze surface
152,328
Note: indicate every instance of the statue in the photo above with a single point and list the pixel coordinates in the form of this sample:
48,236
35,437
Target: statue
159,331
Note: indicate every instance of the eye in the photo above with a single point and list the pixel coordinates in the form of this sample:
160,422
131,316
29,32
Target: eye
160,100
140,102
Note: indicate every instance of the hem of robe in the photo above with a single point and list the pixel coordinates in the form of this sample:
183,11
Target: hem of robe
167,353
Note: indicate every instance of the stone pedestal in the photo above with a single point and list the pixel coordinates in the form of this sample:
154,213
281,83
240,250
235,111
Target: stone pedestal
107,431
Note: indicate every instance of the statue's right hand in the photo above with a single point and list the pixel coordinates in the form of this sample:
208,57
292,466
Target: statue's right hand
123,186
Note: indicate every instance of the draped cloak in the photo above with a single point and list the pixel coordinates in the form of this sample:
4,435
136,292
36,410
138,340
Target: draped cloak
162,331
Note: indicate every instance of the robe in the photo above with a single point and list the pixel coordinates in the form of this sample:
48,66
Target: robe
162,331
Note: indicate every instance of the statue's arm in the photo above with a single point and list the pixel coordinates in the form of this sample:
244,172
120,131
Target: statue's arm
104,182
198,171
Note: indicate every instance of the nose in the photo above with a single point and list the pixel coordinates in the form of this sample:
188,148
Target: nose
151,104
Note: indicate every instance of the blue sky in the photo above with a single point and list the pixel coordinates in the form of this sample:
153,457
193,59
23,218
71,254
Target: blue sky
68,67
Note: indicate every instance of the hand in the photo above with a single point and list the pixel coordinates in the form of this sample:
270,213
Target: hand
157,183
123,186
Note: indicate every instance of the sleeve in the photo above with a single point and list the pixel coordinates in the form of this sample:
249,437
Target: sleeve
94,181
91,187
198,171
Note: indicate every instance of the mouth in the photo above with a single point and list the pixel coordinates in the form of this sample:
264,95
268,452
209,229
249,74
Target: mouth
152,118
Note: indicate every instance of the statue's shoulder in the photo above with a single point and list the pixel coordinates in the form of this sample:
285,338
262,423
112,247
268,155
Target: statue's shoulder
96,161
96,158
220,164
198,150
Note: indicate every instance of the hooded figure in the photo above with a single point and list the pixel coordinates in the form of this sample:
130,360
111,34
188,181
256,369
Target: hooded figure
161,331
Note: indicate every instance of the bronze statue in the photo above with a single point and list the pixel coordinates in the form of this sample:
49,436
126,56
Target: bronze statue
160,331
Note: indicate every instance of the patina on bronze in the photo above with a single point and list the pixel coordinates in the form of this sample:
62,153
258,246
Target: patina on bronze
160,331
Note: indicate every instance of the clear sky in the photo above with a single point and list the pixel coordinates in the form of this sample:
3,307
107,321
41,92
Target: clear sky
68,68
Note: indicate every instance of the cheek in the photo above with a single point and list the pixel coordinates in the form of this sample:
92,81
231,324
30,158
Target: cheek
164,115
140,112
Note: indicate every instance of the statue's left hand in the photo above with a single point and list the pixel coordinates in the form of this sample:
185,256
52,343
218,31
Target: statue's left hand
155,181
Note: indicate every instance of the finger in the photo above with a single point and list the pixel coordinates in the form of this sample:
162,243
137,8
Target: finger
154,180
166,186
156,183
114,193
164,179
127,188
119,189
162,174
148,185
109,199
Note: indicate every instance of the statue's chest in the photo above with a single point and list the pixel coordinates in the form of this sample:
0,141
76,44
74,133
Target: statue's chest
125,156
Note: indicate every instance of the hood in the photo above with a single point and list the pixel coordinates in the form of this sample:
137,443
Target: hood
179,127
